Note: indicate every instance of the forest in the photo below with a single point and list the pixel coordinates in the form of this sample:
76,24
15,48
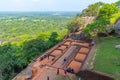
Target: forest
25,35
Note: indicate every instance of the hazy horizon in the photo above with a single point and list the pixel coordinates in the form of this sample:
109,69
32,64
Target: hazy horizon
46,5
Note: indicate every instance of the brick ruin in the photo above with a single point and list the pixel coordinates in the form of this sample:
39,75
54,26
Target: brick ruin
75,49
93,75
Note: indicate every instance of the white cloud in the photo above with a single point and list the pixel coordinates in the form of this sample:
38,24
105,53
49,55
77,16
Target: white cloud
18,1
35,0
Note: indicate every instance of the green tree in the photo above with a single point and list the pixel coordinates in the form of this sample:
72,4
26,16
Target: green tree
53,37
92,9
96,27
106,11
102,20
75,24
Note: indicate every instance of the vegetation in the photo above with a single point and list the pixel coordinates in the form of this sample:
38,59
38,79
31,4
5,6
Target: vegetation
105,16
16,27
27,35
114,18
92,10
107,57
102,20
75,24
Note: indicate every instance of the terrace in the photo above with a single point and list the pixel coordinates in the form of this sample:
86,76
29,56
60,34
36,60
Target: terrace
75,51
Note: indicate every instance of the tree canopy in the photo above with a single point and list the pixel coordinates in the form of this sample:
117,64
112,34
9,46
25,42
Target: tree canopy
26,36
102,20
75,24
92,10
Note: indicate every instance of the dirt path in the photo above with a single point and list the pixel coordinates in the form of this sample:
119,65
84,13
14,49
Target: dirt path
59,63
90,59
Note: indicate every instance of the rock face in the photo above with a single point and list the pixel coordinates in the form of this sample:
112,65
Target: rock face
117,46
93,75
77,35
0,74
117,26
28,72
0,42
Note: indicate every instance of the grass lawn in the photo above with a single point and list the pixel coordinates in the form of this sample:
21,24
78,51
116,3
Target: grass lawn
107,57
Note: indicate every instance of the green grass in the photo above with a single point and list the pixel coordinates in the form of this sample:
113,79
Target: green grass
107,57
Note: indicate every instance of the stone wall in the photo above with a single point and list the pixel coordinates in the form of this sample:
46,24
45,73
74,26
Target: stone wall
93,75
117,26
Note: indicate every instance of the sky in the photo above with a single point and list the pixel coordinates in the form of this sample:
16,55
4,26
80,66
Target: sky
47,5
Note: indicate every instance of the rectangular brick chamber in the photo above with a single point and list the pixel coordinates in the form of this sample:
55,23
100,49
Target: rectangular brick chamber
62,47
75,65
46,60
56,53
84,50
80,57
67,43
84,44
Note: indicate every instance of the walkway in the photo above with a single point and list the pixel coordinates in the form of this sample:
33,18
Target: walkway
59,63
